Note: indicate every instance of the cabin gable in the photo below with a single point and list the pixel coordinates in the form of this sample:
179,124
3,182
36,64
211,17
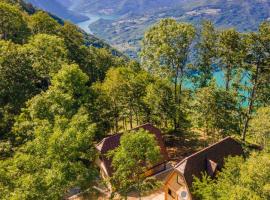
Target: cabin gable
176,187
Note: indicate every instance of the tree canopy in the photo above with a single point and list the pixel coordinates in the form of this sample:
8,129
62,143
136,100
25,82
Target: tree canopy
138,151
239,180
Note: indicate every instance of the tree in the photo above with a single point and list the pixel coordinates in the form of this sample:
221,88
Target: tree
54,142
103,60
216,112
12,24
230,53
138,151
42,22
207,51
17,82
165,49
96,62
67,94
160,101
60,157
123,89
247,180
259,128
47,53
258,66
74,41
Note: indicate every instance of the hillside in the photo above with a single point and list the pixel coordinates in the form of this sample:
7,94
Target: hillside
59,8
79,122
122,7
90,40
126,31
129,19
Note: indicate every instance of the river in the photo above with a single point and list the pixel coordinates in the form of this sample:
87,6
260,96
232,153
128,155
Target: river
92,18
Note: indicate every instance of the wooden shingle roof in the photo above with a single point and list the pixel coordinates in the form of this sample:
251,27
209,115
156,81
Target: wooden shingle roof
112,142
210,158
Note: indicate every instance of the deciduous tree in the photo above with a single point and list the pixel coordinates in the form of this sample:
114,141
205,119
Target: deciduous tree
138,151
259,128
12,24
206,53
231,52
165,50
238,180
42,22
17,82
47,54
216,112
258,65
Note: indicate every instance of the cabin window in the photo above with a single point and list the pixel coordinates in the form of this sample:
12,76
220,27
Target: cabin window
183,195
171,193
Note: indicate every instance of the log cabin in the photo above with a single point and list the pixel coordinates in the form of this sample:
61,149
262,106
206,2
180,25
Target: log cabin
111,142
178,185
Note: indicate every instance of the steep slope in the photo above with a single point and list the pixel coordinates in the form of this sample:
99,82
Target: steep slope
59,8
89,39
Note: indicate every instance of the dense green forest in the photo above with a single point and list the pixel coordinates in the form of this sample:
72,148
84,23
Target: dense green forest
60,93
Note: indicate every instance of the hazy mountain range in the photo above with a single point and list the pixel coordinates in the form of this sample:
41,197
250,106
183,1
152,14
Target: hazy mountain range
132,18
59,8
122,7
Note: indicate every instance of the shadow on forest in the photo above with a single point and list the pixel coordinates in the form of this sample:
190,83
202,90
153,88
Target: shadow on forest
183,144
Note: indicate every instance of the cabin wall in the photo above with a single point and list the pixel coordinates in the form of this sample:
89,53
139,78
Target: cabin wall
175,186
103,172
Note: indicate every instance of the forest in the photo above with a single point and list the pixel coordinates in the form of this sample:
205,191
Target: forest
60,95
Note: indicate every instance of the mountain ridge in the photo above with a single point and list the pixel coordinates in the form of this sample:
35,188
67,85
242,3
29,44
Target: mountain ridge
126,32
133,17
59,8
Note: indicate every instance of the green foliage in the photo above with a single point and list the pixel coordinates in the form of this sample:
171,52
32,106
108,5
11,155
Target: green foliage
207,50
230,50
160,102
238,180
257,61
42,22
96,62
60,157
17,82
122,92
216,112
52,51
73,40
12,24
259,129
138,151
67,94
54,138
165,49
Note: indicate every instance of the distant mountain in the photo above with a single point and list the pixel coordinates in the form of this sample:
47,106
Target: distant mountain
65,3
90,40
121,7
130,18
135,17
59,8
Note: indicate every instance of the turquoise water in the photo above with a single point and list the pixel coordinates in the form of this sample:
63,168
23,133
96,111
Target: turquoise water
220,80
